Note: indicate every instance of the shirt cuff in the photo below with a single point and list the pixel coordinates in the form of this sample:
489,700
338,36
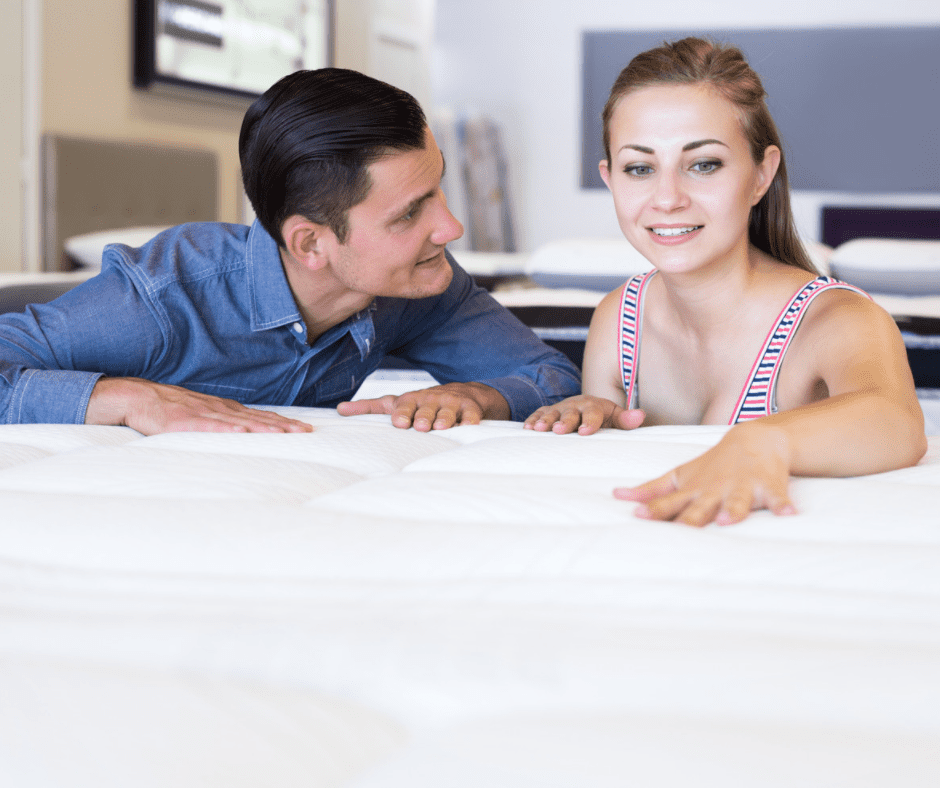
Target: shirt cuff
523,395
51,397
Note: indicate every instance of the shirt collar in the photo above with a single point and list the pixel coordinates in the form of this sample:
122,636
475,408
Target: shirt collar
272,303
270,299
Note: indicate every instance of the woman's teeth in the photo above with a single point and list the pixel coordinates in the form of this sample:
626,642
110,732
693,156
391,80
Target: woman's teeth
669,231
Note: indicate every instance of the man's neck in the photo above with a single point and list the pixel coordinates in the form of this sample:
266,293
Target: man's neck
323,301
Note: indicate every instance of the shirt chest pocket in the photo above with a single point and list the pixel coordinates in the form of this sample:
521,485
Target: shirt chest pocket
339,382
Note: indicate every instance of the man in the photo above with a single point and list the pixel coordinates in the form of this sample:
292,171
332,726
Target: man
345,265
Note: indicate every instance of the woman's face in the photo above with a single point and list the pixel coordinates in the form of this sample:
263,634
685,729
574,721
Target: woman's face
682,176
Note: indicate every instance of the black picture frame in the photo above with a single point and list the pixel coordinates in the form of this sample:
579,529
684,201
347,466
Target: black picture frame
231,48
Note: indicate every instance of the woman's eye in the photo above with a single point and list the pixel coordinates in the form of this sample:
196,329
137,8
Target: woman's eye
706,167
639,170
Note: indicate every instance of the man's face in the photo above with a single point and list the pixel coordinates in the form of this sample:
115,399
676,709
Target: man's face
395,245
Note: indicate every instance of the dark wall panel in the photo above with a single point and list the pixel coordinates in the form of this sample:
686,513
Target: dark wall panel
858,108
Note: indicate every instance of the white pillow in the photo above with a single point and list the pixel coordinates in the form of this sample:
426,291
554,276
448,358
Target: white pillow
591,263
900,267
820,255
86,249
490,263
606,263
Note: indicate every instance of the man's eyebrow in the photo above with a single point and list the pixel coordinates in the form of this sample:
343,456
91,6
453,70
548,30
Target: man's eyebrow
687,147
416,203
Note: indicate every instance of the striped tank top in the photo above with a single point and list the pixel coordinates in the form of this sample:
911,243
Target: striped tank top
757,397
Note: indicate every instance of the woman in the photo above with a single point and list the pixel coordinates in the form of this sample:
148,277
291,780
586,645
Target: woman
733,323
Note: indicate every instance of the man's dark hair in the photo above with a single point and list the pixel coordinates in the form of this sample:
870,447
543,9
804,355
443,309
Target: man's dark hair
307,143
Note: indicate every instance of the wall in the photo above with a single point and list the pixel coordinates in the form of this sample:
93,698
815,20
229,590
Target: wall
520,63
11,98
87,91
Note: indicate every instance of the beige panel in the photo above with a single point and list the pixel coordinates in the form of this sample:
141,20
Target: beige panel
11,208
93,185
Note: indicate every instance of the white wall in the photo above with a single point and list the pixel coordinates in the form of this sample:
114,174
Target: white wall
519,62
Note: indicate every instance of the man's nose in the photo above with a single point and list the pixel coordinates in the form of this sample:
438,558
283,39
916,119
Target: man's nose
448,228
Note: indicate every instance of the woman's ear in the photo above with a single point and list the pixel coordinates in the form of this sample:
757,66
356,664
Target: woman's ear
604,168
766,171
306,241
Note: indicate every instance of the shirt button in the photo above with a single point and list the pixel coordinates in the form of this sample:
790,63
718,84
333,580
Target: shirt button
298,328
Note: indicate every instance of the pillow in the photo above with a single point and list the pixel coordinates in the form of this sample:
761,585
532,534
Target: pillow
893,266
588,264
820,255
490,263
86,249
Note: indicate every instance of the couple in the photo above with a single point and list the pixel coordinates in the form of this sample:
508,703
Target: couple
346,264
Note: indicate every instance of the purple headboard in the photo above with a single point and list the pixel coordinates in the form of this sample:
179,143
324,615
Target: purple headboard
843,224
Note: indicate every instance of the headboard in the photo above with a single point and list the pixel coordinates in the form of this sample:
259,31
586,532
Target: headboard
843,223
93,184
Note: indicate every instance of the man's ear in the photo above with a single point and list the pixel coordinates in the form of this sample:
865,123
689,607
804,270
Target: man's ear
306,241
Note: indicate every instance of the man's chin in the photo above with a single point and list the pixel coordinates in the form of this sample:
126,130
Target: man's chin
440,283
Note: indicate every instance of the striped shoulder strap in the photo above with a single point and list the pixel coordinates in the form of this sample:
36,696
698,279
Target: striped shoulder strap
631,322
757,397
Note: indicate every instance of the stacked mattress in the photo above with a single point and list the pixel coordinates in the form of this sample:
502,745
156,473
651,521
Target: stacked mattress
370,607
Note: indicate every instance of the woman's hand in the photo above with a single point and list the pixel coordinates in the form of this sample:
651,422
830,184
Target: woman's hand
585,414
749,469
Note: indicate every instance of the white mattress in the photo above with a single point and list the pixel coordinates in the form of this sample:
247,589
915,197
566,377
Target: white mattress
369,607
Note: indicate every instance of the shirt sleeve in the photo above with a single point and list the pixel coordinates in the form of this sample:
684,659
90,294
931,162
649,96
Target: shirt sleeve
466,335
52,355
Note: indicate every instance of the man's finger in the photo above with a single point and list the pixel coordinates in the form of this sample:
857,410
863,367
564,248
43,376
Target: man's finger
362,407
403,411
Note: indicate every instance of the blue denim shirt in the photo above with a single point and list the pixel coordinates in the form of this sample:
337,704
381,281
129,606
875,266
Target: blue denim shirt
208,307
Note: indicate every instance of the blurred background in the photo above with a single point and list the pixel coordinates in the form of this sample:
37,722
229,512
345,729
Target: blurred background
502,81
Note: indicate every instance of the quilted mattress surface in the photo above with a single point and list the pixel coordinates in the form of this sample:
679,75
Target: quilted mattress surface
369,607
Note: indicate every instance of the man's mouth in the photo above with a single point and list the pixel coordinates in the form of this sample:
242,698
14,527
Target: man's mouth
669,232
433,258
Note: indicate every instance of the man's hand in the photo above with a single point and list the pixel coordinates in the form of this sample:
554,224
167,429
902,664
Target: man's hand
583,413
437,408
152,408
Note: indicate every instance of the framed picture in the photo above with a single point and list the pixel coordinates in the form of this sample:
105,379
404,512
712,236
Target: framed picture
234,47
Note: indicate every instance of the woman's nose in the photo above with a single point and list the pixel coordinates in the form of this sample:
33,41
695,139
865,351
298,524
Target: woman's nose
669,193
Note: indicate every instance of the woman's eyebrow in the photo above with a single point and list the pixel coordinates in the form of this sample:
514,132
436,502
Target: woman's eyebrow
640,148
700,143
687,147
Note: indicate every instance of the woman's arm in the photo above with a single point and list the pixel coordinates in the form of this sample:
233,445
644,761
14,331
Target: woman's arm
602,402
871,422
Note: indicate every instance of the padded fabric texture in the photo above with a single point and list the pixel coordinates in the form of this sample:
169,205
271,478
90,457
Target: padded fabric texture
895,267
369,607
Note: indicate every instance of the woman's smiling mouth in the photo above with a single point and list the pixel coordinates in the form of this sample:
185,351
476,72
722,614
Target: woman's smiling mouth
669,232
